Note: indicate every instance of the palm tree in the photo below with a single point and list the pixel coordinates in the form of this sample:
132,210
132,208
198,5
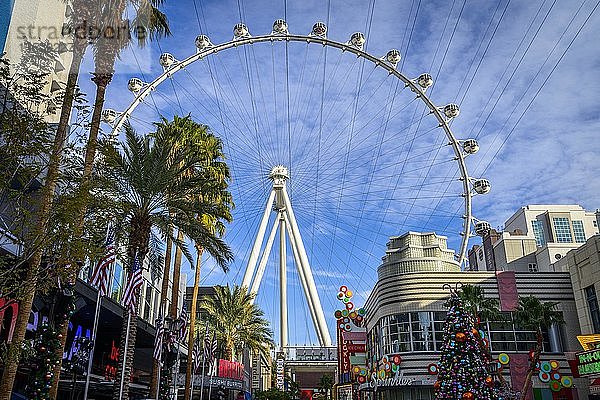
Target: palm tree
480,307
326,383
155,185
237,320
198,139
537,316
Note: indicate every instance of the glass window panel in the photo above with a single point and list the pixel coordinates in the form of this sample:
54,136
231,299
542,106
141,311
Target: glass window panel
538,232
578,232
562,230
503,346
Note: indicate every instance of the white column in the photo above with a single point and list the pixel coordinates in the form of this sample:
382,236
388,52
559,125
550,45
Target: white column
312,289
265,257
283,323
311,307
258,242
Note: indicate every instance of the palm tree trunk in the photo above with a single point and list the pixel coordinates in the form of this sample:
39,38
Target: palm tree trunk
536,359
164,293
189,371
176,275
130,355
30,283
65,117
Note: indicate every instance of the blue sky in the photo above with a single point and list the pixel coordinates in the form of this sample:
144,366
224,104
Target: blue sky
366,163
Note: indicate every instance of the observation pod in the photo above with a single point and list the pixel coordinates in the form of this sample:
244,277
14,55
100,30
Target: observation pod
167,60
470,146
482,228
482,186
451,110
240,31
357,39
202,42
280,27
424,80
135,85
319,29
109,116
393,57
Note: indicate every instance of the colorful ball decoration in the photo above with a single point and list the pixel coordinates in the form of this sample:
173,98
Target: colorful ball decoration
353,314
361,312
343,289
554,386
349,305
566,381
436,385
395,368
356,369
482,333
545,366
387,366
385,359
345,313
461,337
554,365
347,327
348,293
544,376
362,379
432,369
396,359
503,358
531,354
467,396
381,374
338,314
555,376
340,295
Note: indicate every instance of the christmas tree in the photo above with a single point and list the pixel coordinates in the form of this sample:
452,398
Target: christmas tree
462,367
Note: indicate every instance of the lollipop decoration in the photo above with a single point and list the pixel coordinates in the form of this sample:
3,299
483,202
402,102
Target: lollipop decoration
349,312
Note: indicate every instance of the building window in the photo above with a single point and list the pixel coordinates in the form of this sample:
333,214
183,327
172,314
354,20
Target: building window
592,300
538,232
562,230
532,267
578,232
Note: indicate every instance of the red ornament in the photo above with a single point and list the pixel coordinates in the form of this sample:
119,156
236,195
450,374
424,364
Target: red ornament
467,396
461,337
436,385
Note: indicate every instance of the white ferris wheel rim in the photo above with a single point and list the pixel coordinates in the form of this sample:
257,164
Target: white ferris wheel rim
247,39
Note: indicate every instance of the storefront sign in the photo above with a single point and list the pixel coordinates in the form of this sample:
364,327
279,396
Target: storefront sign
280,371
231,369
588,362
397,380
357,348
344,392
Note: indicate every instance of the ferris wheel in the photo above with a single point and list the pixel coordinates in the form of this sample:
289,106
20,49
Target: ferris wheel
335,148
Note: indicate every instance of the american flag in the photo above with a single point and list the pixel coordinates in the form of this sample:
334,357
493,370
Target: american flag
99,277
133,285
183,320
158,340
213,350
196,354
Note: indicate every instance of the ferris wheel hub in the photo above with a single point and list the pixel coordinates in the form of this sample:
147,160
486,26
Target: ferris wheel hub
279,175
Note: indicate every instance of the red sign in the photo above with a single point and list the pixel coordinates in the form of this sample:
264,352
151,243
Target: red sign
355,336
356,348
231,369
110,371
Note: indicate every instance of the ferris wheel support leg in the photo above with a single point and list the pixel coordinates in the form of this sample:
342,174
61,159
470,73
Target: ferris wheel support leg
311,307
258,242
283,322
312,289
263,261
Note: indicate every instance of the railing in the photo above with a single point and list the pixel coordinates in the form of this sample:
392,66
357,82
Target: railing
305,353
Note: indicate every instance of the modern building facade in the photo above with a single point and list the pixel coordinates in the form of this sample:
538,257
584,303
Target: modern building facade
405,317
37,21
534,239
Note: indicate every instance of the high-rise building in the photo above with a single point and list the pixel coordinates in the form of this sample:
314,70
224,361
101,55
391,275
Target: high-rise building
535,238
37,21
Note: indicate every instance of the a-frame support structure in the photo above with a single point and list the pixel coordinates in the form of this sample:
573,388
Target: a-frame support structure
285,222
